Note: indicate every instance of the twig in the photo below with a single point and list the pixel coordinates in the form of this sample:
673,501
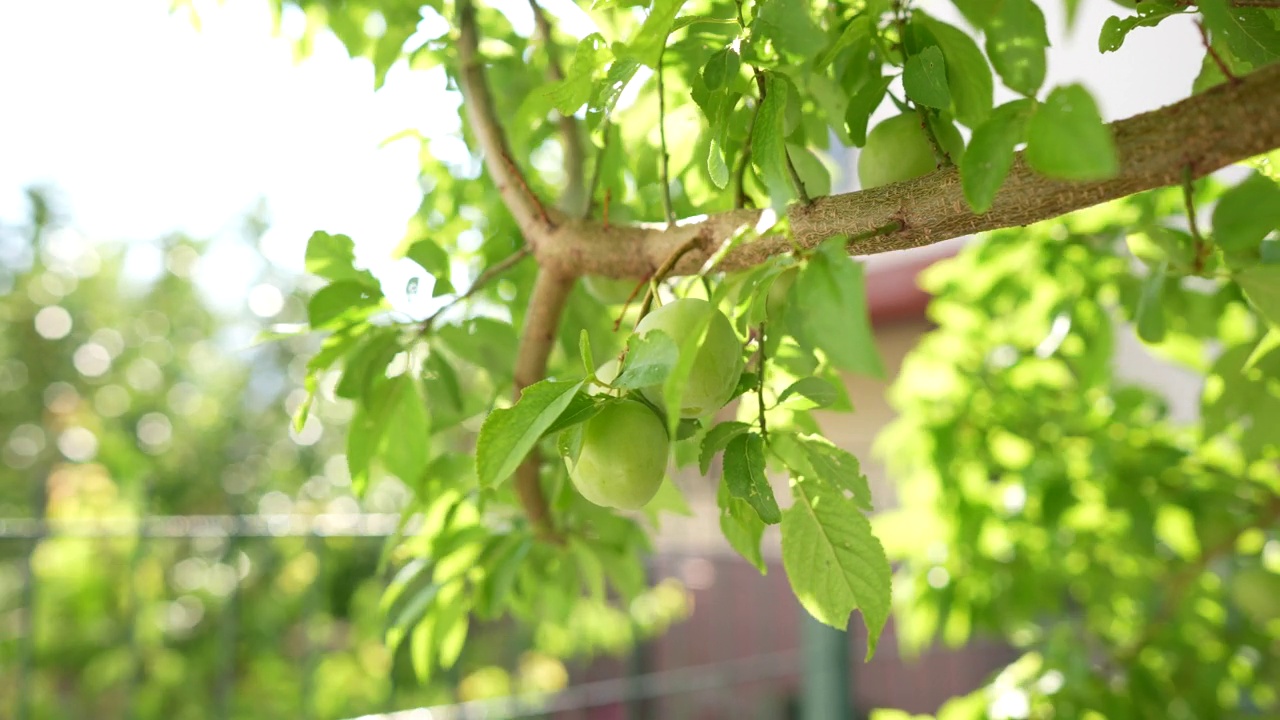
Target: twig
546,305
597,171
528,211
887,228
1217,59
1201,245
644,282
740,173
661,273
574,200
662,138
484,278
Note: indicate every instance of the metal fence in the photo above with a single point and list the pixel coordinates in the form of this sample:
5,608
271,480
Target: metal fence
746,651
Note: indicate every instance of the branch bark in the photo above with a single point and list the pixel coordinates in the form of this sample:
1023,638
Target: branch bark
1206,132
546,305
528,211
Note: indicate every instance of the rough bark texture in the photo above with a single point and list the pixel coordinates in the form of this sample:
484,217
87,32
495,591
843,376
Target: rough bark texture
1223,125
546,305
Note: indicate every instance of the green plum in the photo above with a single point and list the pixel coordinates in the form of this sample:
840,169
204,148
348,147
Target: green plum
718,363
623,456
898,149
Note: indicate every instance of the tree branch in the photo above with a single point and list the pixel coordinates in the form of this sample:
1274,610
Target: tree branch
550,292
1223,125
528,211
574,199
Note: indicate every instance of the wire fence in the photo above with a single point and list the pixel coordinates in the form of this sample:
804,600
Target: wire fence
742,652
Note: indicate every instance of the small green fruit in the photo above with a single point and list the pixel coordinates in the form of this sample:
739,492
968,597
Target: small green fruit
609,291
898,149
717,365
623,456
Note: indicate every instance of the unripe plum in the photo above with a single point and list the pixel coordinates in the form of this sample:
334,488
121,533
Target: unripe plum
898,149
717,365
623,456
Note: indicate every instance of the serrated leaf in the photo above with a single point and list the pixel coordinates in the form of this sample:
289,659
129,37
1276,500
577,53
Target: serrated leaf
433,259
1067,140
989,156
647,44
968,74
836,467
857,29
925,78
649,361
508,434
768,139
720,69
1261,284
788,24
1016,43
744,475
581,408
715,440
571,93
1250,32
742,527
832,290
1116,29
833,561
1247,213
819,391
863,104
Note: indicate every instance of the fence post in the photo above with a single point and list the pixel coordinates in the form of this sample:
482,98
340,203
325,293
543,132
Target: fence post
826,671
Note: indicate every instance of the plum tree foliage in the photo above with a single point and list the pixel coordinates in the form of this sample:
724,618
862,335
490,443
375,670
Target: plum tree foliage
686,149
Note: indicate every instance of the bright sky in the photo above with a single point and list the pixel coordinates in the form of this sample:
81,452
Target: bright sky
147,125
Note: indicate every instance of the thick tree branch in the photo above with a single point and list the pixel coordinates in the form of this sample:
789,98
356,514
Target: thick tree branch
529,213
550,292
1205,132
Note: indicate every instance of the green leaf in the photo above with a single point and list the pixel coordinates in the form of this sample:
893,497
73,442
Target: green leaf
484,342
1150,311
678,377
407,436
836,467
334,302
864,102
1251,33
768,139
742,527
1067,140
715,440
584,352
832,290
814,388
1116,29
978,12
986,162
433,259
668,499
1247,213
744,475
1267,345
571,93
968,74
721,68
581,408
925,78
716,167
649,361
508,434
834,563
1016,43
1261,284
788,25
857,29
650,40
333,257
